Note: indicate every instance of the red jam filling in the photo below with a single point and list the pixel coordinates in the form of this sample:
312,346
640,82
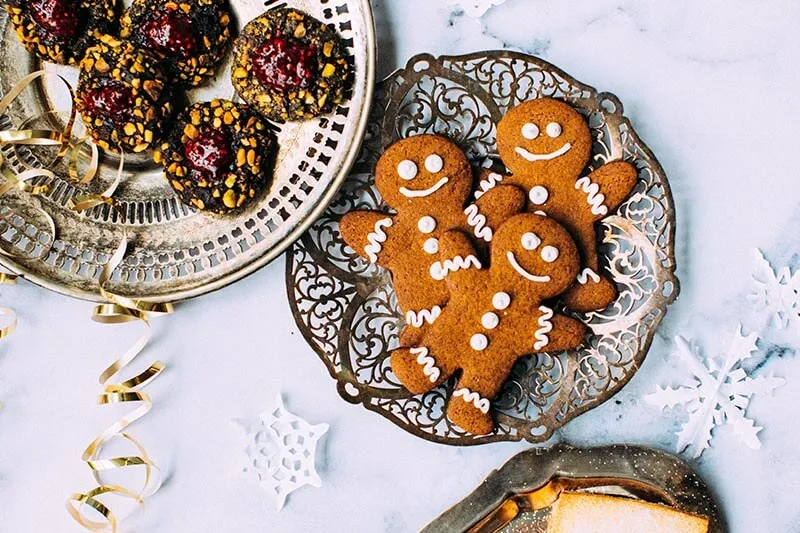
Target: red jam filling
284,63
112,102
210,153
58,17
171,34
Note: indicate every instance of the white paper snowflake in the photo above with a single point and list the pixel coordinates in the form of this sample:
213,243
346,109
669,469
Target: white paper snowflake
281,450
476,8
777,291
717,395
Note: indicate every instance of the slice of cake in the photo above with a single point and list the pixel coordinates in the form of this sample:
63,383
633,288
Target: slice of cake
597,513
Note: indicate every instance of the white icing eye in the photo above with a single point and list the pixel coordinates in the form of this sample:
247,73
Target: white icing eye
407,169
501,300
538,195
531,241
479,342
426,225
549,253
553,129
431,246
490,320
434,163
530,131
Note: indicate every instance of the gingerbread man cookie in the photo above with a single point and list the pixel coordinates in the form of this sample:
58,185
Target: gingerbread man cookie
495,315
546,144
427,180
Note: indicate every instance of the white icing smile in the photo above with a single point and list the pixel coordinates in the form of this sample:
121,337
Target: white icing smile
411,193
524,273
543,157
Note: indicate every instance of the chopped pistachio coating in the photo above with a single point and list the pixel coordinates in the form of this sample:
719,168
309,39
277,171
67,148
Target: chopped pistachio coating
123,96
61,30
189,36
219,157
290,66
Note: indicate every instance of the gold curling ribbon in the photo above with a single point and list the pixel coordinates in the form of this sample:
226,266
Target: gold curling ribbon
10,314
120,310
61,139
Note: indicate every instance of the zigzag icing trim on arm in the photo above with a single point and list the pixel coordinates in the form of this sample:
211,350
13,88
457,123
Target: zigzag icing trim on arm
417,319
586,273
594,196
440,269
478,222
480,403
545,327
487,184
376,238
428,363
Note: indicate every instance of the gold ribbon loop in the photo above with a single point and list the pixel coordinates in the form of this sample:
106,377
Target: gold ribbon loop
90,499
11,316
23,84
88,201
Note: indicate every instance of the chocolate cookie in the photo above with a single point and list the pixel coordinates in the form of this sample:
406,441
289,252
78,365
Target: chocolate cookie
189,36
290,66
61,30
122,95
219,156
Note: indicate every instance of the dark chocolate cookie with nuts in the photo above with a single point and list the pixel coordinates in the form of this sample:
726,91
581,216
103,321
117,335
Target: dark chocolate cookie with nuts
122,96
189,36
219,157
61,30
290,66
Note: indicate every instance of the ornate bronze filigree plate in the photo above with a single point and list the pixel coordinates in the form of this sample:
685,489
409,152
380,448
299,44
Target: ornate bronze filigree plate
178,253
516,498
347,310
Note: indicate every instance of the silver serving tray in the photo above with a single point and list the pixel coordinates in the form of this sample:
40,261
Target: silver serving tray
176,252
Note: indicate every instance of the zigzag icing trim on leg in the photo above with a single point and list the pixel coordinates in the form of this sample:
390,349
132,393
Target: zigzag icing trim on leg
440,269
487,184
478,222
480,403
428,363
594,196
417,319
583,277
375,238
545,327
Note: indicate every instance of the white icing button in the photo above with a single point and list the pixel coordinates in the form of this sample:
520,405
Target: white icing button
501,300
531,241
434,163
431,246
549,253
479,342
538,195
553,129
530,131
490,320
407,169
426,225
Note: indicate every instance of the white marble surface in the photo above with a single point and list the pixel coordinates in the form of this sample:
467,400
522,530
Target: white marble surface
709,86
